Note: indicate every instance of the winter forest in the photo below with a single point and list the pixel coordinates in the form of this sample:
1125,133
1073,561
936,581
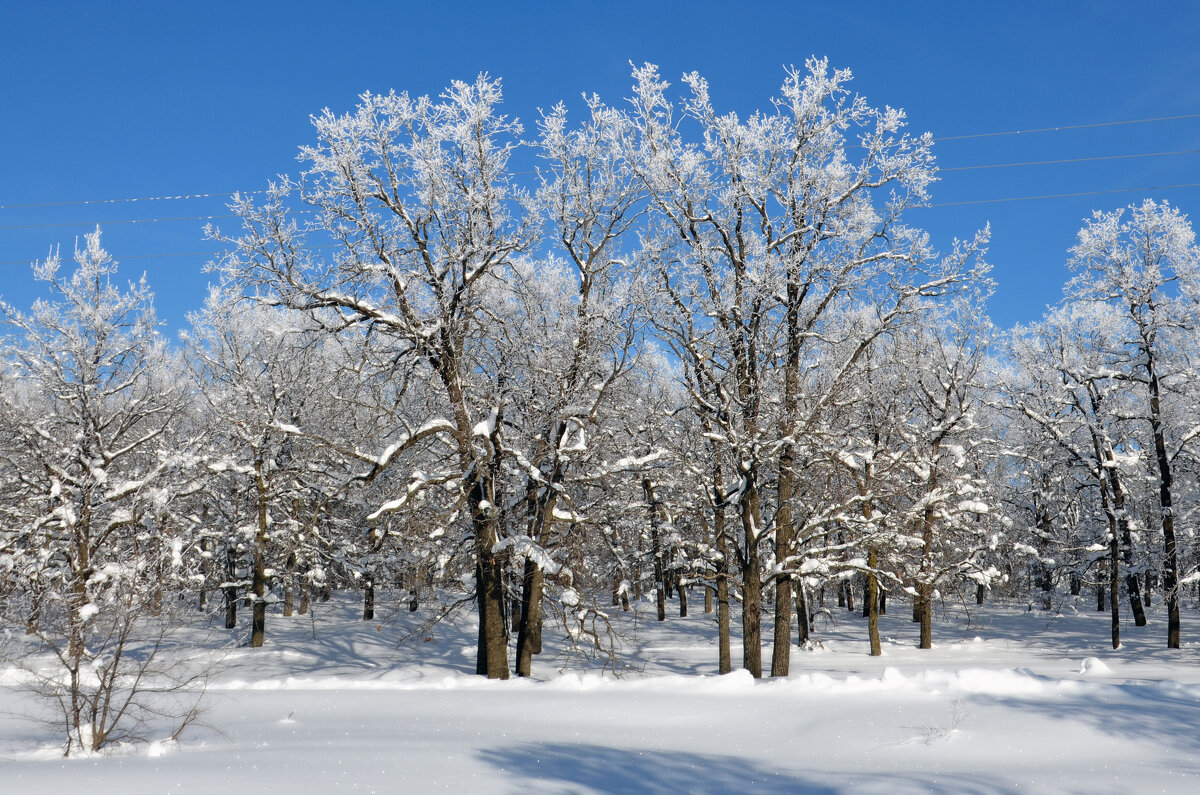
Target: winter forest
532,377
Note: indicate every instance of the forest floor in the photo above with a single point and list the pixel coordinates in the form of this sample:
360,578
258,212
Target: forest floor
1009,700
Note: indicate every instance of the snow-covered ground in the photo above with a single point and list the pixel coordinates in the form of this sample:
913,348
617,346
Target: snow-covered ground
1007,701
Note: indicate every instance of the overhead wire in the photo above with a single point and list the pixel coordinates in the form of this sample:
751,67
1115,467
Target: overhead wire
1001,200
1064,128
1060,128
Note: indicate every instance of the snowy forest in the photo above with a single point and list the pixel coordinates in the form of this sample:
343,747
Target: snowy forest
649,352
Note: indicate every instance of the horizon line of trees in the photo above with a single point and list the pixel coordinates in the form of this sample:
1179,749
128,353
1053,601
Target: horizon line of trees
695,350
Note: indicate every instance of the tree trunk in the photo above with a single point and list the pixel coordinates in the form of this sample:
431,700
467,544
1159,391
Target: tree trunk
230,590
1170,574
751,581
782,642
1114,593
724,571
258,584
803,619
660,575
872,601
926,617
289,587
489,591
529,631
369,597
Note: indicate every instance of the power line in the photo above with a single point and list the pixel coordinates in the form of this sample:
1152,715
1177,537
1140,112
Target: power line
1064,195
109,223
1063,128
82,202
1072,160
935,204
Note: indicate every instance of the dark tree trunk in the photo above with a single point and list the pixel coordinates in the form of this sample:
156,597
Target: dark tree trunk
369,597
1114,595
748,510
781,649
872,601
926,592
529,631
1170,573
230,590
660,574
258,584
724,572
803,619
289,587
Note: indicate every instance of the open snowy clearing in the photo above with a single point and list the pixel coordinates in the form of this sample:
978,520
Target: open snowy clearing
1007,701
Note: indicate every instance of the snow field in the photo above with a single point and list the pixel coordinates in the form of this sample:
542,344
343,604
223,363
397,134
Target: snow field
1007,701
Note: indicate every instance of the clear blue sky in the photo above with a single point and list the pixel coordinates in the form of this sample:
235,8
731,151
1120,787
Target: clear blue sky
122,100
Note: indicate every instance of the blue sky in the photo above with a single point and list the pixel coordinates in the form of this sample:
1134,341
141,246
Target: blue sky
126,100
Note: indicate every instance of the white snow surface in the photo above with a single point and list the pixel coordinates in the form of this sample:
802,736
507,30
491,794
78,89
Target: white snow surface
1008,701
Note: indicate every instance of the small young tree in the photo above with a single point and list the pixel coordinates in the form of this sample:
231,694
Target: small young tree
92,417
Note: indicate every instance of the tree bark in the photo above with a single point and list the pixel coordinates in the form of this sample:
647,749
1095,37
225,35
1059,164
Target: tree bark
724,571
1170,574
782,642
529,632
258,584
751,581
872,601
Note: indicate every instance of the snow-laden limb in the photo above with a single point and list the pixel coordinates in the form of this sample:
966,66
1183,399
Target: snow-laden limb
525,547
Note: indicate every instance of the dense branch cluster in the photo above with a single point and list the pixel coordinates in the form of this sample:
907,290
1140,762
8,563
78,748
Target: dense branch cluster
692,354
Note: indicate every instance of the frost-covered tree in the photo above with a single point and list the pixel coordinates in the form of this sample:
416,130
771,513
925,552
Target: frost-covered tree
1146,265
1075,395
92,413
416,197
771,229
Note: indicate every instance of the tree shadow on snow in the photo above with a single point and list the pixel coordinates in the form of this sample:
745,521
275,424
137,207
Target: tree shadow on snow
616,771
1162,715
